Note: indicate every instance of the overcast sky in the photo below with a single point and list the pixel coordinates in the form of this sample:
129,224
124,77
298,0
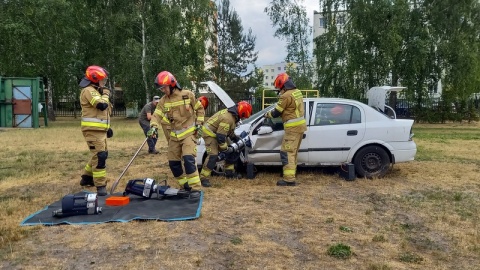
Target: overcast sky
271,50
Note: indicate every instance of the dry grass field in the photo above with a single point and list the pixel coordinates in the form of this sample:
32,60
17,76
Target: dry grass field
422,215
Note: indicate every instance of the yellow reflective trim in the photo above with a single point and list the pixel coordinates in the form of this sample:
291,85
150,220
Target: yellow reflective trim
278,108
182,180
297,94
198,105
200,118
193,180
88,168
177,103
99,174
296,123
159,112
206,172
208,132
288,172
297,112
92,124
182,134
95,98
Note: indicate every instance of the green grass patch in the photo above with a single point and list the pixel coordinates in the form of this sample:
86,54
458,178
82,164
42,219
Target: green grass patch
340,251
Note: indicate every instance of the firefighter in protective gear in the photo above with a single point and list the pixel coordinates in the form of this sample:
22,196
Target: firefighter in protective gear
167,127
215,131
177,109
290,108
95,125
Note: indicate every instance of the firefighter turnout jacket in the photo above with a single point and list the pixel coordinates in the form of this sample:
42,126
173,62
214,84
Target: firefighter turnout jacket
181,111
93,118
220,126
290,108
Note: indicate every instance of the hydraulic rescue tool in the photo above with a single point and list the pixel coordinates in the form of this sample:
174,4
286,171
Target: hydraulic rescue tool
73,205
115,184
236,147
147,187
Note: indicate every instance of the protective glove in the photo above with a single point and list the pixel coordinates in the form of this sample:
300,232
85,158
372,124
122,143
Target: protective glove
153,132
198,131
109,133
102,106
267,115
234,138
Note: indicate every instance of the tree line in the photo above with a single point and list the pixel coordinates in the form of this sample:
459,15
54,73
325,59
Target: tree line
133,40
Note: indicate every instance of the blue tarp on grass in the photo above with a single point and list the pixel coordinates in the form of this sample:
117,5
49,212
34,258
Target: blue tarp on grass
167,209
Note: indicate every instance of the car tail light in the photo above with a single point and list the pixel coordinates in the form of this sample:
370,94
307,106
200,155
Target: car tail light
411,134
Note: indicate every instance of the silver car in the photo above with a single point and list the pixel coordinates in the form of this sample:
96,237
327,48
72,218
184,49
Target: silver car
339,132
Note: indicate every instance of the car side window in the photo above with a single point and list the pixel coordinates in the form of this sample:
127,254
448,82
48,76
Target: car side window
336,114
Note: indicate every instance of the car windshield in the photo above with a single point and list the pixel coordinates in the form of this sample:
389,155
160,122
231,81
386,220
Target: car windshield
254,116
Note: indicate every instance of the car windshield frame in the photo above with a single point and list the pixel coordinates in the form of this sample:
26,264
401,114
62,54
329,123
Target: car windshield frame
258,114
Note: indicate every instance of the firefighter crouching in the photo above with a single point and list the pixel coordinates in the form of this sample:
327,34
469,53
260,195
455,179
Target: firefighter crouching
290,108
215,132
95,125
177,109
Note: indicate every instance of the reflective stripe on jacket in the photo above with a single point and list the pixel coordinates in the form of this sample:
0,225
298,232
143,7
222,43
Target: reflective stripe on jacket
93,118
290,105
180,110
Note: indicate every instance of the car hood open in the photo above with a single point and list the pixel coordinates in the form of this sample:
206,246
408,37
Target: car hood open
220,93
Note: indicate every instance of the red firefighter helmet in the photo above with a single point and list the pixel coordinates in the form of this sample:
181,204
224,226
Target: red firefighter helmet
204,101
244,109
95,74
338,109
280,81
165,78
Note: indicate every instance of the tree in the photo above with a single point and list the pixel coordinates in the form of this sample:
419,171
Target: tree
233,53
290,18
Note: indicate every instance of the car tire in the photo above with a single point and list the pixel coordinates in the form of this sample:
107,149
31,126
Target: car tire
371,161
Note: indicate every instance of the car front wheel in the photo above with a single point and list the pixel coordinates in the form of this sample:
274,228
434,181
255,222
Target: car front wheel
371,161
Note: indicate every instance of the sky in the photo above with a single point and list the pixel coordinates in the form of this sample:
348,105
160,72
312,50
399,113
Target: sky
271,50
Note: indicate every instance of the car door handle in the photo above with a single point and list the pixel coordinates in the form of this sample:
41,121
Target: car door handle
352,132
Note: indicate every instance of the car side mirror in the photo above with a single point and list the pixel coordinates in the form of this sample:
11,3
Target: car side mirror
265,130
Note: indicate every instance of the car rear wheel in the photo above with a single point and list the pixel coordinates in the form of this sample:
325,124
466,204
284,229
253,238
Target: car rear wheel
371,161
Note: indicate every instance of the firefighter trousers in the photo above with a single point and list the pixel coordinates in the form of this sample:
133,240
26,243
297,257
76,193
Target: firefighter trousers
96,166
288,154
184,150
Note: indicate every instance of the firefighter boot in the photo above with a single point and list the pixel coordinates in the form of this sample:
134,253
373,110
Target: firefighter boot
101,191
87,181
232,174
205,182
286,183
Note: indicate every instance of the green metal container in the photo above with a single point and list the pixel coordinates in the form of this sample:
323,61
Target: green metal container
21,102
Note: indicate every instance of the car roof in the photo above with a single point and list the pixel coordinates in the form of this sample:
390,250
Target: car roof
333,100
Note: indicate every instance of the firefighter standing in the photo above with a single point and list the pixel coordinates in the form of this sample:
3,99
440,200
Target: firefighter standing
215,132
96,108
176,108
290,108
144,121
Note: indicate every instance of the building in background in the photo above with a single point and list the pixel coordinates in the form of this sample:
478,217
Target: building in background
270,72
